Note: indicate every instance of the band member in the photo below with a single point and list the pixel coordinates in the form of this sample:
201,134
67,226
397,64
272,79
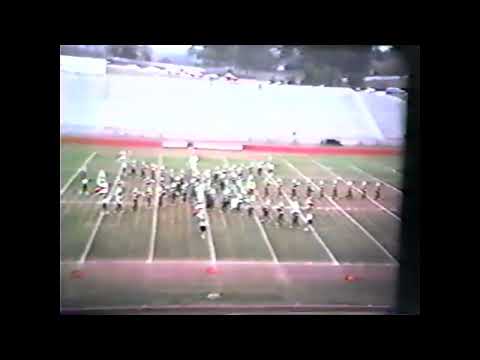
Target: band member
377,190
133,167
119,203
321,189
136,196
173,191
210,198
295,185
104,203
349,190
143,169
309,219
364,189
265,210
266,190
295,215
184,191
161,195
202,226
226,199
216,174
259,169
309,190
251,202
149,195
335,189
124,166
83,172
153,171
270,168
280,187
235,203
84,186
295,211
280,214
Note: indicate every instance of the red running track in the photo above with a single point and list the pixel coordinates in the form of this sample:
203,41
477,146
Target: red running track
289,149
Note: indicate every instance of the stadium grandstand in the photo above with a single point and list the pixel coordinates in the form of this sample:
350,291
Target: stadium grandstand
183,108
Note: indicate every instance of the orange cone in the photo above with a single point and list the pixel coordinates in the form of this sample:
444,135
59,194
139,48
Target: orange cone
212,270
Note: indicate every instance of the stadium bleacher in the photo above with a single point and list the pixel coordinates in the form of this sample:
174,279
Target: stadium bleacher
184,109
389,113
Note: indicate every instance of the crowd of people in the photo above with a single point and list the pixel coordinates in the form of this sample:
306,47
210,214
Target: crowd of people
245,188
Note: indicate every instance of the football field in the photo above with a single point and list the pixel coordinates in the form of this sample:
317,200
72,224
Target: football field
155,257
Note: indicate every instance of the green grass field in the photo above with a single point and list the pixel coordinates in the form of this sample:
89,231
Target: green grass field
362,233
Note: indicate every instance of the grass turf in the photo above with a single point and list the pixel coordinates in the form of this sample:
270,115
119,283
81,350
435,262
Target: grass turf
126,236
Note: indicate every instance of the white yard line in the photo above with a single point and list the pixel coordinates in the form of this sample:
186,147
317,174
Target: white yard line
265,238
90,239
312,229
154,220
99,221
374,177
347,215
358,190
69,182
211,247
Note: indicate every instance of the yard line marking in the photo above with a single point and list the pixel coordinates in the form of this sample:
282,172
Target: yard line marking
312,229
155,219
90,240
347,215
265,238
374,177
211,247
358,190
69,182
261,228
99,221
264,234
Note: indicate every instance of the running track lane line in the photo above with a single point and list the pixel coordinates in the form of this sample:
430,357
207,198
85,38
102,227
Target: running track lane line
153,233
261,228
69,182
312,229
374,177
347,215
99,222
357,190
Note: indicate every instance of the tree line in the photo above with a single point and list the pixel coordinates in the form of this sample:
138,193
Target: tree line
329,65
